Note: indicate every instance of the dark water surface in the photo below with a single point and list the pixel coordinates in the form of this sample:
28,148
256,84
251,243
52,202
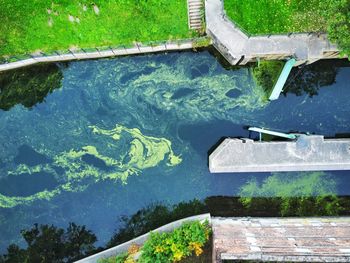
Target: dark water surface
114,136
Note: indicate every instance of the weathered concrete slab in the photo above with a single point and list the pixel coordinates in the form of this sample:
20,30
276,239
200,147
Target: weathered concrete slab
307,153
239,48
325,239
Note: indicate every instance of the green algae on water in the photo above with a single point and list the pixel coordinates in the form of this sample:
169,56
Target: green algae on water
144,152
304,193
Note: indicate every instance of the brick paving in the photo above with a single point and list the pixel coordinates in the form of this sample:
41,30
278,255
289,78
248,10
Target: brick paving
282,239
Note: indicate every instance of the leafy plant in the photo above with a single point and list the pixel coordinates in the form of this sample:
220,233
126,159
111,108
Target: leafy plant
152,217
337,14
174,246
121,258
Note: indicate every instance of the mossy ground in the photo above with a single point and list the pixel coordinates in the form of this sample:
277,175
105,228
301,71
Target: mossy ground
49,25
279,16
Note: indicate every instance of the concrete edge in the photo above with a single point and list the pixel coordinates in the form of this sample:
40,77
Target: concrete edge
141,239
167,46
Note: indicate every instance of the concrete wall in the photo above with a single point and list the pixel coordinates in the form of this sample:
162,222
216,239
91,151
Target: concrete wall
239,48
141,239
111,52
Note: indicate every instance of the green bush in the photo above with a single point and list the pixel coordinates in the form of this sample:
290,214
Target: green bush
174,246
118,259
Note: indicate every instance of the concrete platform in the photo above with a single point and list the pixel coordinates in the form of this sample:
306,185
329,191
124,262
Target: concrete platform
325,239
307,153
240,48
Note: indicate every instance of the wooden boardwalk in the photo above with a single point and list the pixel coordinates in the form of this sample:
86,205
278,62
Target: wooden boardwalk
324,239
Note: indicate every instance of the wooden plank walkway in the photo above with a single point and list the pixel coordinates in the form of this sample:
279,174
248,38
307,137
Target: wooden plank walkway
324,239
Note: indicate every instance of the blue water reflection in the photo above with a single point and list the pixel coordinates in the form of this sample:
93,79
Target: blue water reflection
181,104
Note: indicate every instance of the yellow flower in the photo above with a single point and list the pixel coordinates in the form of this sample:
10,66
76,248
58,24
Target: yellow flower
197,247
159,249
178,255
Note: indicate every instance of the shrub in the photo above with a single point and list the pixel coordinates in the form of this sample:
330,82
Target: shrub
174,246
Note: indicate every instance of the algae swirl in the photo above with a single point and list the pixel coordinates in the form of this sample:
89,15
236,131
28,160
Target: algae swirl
143,152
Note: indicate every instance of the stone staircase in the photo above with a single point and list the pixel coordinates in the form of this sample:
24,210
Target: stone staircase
195,14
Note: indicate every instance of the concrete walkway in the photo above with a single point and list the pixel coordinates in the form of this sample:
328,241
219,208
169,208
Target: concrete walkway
282,239
239,48
307,153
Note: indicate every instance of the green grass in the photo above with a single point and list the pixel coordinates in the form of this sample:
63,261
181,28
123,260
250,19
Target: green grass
276,16
25,28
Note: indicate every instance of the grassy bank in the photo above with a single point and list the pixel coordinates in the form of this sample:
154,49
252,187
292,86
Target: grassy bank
48,25
278,16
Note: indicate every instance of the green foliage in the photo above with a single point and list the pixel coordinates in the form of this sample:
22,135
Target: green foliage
337,14
304,194
266,74
50,244
152,217
28,86
172,247
46,25
121,258
202,42
278,16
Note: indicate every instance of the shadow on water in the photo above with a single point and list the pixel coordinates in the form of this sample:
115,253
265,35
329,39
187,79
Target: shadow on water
198,134
27,155
40,238
27,184
30,85
308,79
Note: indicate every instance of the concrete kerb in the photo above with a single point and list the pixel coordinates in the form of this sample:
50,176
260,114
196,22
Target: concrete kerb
141,239
112,52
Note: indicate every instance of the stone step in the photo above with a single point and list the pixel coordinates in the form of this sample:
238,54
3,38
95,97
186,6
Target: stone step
195,13
195,4
196,22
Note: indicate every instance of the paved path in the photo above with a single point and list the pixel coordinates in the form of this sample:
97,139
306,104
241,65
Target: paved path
282,239
239,48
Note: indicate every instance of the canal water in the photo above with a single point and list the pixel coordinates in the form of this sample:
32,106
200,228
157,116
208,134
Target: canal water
91,141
